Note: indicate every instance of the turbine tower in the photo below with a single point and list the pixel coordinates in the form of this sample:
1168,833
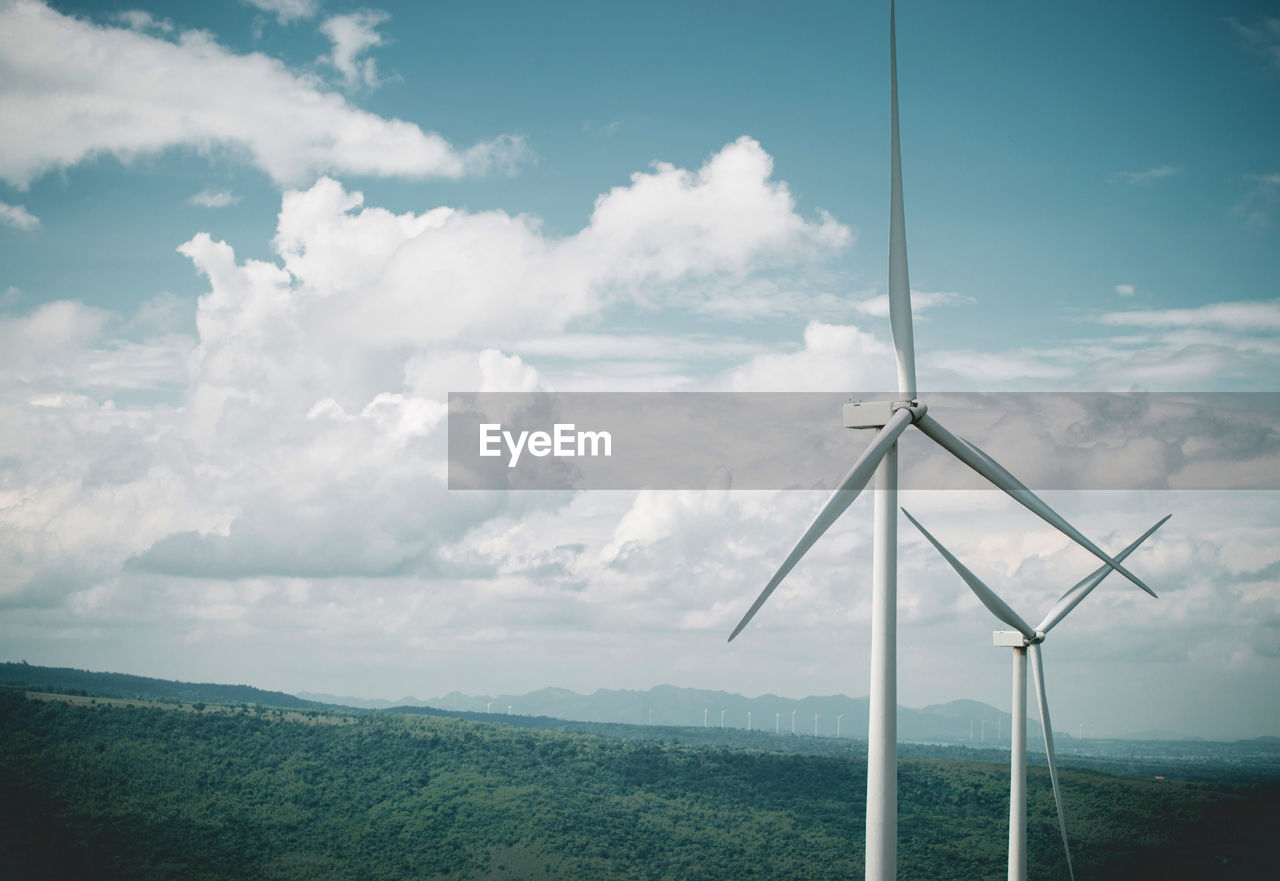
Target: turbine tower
880,458
1022,637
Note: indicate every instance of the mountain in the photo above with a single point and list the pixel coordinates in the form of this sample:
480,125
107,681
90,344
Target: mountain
359,702
961,721
114,789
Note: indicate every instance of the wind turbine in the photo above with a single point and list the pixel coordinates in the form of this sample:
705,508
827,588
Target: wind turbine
880,458
1019,639
838,718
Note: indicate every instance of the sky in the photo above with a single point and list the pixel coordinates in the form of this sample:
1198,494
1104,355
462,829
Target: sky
247,249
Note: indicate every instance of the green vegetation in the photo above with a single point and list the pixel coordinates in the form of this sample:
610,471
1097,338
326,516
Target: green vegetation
90,789
67,680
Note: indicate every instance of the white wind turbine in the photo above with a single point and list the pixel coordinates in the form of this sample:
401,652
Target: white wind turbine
1019,639
880,458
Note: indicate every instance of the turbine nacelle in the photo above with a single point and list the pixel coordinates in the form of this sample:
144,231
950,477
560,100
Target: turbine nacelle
876,414
1014,639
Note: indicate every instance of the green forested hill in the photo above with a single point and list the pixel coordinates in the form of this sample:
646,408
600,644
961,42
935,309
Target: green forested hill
91,790
67,680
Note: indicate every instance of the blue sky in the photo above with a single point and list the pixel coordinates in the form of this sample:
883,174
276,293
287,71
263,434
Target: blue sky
214,350
1026,137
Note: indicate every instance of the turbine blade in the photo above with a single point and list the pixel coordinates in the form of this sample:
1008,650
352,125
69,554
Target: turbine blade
840,500
1072,597
998,607
899,284
1037,668
993,471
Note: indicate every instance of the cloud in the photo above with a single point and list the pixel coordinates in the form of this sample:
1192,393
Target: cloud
213,199
74,90
1259,315
727,216
612,347
921,301
1143,177
1213,347
141,20
833,358
1125,290
315,386
287,11
352,35
1259,201
287,493
1159,359
316,383
67,346
1263,37
449,275
607,130
18,217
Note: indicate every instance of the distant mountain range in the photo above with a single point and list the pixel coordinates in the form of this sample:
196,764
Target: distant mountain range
955,722
962,721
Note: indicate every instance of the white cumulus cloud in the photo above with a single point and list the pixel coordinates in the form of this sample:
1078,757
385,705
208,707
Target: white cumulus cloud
834,358
73,90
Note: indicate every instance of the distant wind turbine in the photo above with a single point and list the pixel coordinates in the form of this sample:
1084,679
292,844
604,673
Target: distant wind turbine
838,718
880,458
1019,639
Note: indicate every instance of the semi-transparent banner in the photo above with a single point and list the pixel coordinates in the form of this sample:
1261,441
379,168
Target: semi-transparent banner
1106,441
